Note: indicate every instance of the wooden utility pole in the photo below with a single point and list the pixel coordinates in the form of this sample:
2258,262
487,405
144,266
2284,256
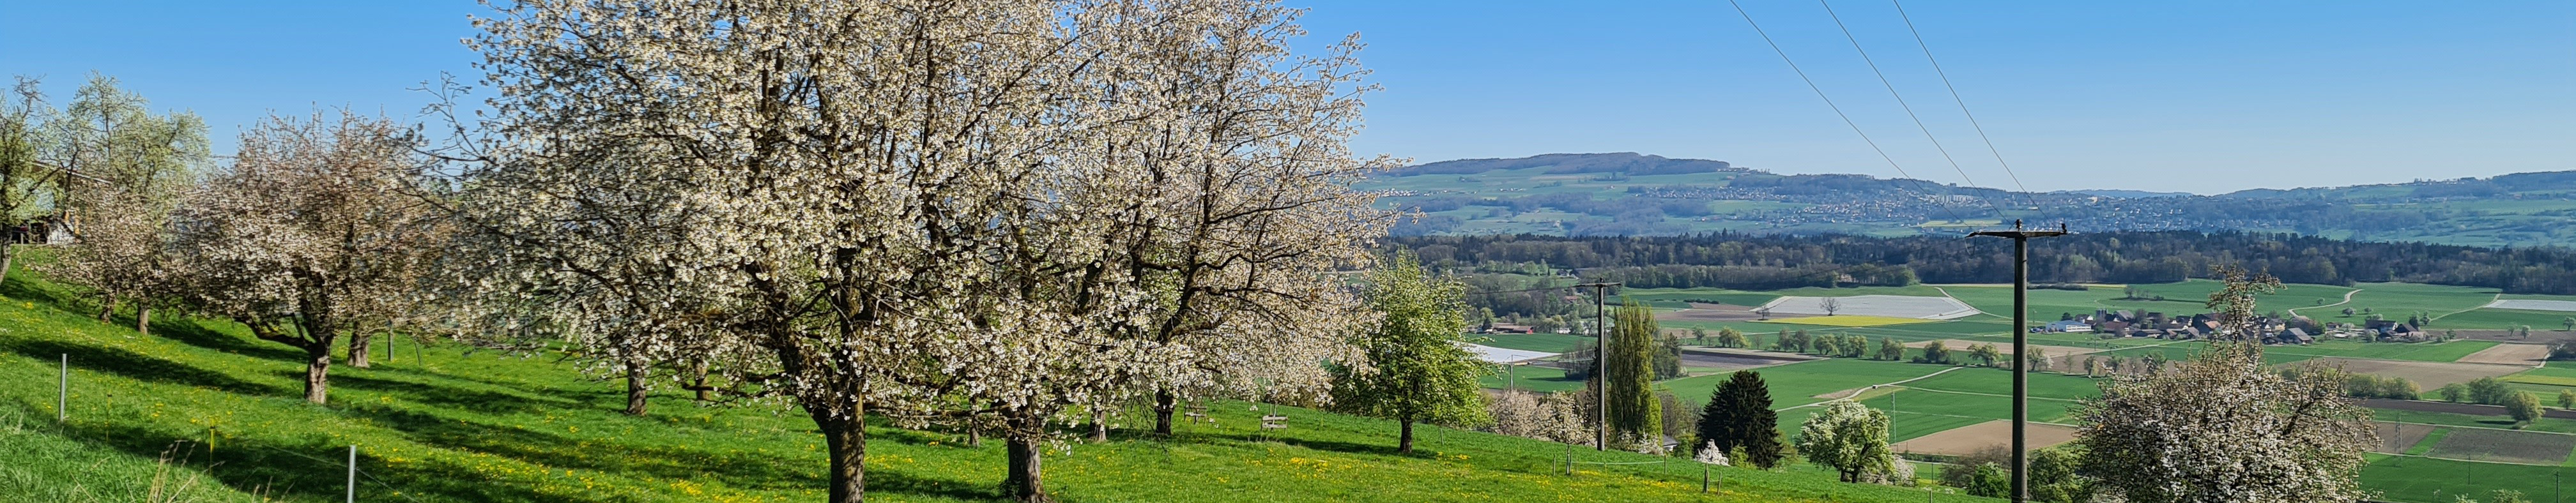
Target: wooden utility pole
2021,347
1600,364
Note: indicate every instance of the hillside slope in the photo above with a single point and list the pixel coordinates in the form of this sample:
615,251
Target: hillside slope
215,416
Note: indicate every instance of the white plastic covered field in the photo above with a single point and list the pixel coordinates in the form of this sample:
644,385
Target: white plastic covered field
1895,306
2535,305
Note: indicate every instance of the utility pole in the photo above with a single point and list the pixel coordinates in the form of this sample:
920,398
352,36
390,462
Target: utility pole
1600,363
2021,346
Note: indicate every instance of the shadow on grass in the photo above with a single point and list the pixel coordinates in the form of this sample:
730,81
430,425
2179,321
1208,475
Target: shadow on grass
138,366
1288,439
194,333
882,480
751,470
477,401
741,469
310,470
18,288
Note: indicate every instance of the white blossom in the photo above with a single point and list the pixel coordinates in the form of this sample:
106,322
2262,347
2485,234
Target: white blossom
1710,454
979,212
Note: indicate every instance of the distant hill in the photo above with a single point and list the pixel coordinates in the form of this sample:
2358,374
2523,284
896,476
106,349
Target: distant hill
1623,162
1632,194
2127,193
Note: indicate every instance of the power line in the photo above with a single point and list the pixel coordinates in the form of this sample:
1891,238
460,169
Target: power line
1954,96
1829,101
1820,92
1891,91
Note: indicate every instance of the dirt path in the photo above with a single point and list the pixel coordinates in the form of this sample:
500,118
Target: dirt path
1946,293
2347,299
1865,389
2498,296
1990,394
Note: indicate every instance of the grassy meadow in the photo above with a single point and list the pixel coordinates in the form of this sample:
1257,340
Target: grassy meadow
198,411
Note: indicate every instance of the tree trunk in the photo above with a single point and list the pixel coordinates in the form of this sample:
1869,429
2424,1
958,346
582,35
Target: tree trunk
700,384
6,258
106,308
974,436
358,343
1099,425
1163,404
317,374
635,392
1024,484
1404,442
846,442
142,320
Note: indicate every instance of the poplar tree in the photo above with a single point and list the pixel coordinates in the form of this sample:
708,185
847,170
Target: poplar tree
1630,374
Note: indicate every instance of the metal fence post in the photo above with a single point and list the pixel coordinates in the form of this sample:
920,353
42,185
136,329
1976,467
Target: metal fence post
63,397
353,473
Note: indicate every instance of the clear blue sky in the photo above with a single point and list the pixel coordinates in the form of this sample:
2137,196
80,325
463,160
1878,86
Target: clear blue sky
2200,96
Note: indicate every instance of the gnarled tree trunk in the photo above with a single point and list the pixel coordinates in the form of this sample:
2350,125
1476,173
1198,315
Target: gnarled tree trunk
106,308
1099,424
142,319
1024,484
635,390
358,349
699,384
845,441
1163,404
317,374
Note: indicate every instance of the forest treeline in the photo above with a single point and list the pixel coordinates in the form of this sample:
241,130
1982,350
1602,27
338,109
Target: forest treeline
1759,262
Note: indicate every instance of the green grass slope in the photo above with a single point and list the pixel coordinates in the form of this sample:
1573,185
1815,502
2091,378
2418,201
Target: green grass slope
201,411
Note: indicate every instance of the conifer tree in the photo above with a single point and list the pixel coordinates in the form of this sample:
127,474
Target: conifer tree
1739,416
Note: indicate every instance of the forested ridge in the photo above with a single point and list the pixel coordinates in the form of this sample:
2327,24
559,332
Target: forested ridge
1747,261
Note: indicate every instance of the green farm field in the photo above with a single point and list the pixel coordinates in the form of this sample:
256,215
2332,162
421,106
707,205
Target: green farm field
2552,322
2429,480
1531,378
2398,299
1968,396
1798,383
2419,351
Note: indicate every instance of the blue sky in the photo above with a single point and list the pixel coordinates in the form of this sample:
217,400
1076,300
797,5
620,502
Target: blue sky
2200,96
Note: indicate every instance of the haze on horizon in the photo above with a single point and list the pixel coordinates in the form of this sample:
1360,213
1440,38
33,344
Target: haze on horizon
2194,96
